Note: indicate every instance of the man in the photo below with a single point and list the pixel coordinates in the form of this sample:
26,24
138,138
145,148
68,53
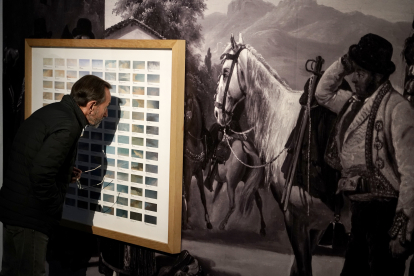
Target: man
40,167
372,145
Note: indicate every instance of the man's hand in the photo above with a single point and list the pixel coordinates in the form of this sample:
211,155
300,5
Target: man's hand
76,174
348,64
397,249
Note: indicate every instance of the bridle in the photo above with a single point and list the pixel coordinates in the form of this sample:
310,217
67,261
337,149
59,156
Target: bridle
234,58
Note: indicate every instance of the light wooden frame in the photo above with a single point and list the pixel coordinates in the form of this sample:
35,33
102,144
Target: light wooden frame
177,126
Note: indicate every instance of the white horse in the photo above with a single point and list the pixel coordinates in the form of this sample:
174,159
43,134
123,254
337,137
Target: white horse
272,109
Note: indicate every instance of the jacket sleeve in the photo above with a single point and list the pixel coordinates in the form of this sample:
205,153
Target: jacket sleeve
46,166
402,135
328,93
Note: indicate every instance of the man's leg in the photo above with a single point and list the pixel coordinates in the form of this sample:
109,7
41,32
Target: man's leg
356,256
380,258
9,262
28,252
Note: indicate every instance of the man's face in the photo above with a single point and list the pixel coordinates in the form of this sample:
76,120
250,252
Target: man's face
365,82
99,111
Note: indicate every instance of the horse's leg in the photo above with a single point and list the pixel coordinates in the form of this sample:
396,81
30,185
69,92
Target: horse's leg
259,204
230,193
199,177
234,174
299,237
186,196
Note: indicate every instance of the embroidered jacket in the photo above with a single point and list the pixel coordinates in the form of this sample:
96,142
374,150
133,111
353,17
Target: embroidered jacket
385,128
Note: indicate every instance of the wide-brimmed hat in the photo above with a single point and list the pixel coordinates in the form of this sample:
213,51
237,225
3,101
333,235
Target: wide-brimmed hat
83,27
373,53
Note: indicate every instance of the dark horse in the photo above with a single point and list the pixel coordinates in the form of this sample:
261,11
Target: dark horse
232,172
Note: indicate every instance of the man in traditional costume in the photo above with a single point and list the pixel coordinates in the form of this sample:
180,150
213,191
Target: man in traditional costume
372,145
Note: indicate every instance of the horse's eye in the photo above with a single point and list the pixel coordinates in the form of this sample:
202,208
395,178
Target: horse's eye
225,73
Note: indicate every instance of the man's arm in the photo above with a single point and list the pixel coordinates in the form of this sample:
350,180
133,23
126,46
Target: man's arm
47,164
402,135
327,92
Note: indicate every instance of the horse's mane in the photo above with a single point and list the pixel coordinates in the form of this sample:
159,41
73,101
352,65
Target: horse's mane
272,106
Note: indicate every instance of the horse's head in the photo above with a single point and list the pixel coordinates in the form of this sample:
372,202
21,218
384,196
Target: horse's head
231,86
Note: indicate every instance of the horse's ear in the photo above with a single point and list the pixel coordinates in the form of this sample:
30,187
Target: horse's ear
241,38
233,42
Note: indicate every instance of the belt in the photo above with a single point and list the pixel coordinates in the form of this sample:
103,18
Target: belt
356,184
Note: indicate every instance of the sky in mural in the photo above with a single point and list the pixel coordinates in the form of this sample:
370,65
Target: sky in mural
396,10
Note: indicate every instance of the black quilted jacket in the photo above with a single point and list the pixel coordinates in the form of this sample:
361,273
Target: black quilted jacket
40,166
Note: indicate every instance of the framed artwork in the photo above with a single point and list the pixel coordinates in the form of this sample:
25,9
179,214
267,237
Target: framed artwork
131,184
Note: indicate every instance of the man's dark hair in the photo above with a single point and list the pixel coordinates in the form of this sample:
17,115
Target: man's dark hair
89,88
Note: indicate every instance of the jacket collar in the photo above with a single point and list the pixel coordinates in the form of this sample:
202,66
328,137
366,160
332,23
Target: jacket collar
70,102
365,111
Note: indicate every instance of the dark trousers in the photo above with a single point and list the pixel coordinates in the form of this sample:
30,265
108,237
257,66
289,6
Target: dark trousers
24,252
368,251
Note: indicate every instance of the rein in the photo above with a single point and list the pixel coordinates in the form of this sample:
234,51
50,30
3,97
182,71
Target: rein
234,58
196,157
227,138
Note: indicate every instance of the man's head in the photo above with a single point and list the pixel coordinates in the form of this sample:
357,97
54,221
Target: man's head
93,97
373,65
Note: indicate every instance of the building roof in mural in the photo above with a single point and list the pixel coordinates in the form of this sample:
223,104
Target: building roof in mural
131,22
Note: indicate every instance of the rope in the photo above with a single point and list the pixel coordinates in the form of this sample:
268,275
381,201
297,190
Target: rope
198,139
247,165
243,132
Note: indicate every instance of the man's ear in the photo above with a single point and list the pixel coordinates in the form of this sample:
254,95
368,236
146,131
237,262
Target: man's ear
90,106
379,78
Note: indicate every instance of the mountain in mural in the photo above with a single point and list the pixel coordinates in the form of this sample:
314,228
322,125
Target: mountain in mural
297,30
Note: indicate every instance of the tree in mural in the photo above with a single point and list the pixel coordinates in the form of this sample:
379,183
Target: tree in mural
177,19
207,61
